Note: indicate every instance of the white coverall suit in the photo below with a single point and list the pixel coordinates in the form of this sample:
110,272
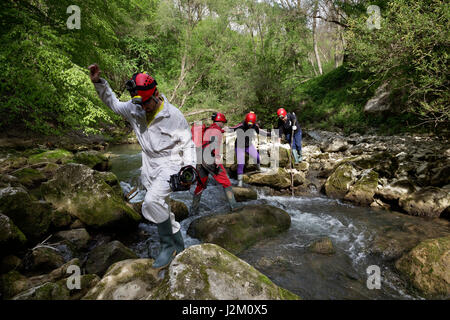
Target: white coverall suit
166,147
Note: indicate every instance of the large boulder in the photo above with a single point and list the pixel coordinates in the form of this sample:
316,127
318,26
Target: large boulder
44,259
131,279
78,237
209,272
11,238
29,177
396,189
278,179
428,202
363,190
334,145
427,267
46,291
77,189
14,283
380,101
32,217
322,246
103,256
338,183
244,194
241,229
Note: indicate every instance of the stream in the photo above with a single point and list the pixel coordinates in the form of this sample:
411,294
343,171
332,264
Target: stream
285,259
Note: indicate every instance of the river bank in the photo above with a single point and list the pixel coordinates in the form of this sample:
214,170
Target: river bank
334,165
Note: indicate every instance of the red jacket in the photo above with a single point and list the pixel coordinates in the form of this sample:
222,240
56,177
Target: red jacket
213,133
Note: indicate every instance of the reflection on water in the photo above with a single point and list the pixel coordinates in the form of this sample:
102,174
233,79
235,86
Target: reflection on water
286,259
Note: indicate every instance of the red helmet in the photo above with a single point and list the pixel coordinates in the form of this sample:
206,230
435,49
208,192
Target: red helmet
250,117
218,117
141,85
281,112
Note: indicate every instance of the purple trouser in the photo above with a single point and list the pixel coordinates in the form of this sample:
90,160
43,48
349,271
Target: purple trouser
240,154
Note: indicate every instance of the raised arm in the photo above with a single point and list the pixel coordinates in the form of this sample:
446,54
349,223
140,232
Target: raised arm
107,95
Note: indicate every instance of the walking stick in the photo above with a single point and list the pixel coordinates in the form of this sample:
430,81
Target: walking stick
292,167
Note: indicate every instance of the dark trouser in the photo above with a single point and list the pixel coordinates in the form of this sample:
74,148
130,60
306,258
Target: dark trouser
219,175
297,143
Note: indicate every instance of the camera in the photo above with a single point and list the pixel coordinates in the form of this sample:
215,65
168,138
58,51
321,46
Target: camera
183,180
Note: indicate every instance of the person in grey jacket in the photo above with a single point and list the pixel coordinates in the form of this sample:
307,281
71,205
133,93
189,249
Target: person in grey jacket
165,138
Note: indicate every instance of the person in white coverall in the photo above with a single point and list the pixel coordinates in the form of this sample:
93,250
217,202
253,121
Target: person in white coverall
165,138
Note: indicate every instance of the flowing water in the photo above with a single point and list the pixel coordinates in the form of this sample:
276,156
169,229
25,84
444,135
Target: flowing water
286,259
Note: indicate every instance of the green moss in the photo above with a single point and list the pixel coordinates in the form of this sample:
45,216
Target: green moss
57,155
29,177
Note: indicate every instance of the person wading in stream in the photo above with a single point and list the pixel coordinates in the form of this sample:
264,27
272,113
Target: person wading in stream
287,123
249,128
165,139
211,163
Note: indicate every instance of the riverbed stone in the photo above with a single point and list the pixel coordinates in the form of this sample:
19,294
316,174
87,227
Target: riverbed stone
103,256
77,189
93,159
427,202
241,229
43,259
32,217
131,279
30,177
11,238
427,267
322,246
363,190
46,291
13,283
209,272
55,156
334,145
338,184
78,237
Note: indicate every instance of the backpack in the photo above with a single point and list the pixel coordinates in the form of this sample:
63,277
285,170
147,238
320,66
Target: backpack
198,130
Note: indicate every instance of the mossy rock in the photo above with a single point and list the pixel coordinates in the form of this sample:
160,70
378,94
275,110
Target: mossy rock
103,256
179,209
244,194
209,272
32,217
93,159
384,163
13,283
60,156
61,219
339,182
426,202
322,246
47,291
279,179
427,267
87,282
45,260
84,194
131,279
241,229
78,237
11,238
30,177
12,163
363,190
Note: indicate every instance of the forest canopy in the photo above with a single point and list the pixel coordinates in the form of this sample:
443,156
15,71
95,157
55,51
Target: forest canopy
315,57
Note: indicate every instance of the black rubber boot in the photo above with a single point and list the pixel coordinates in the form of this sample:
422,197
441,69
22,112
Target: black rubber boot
231,200
167,245
179,242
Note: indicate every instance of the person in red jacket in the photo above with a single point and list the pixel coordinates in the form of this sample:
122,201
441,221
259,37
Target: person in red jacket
211,163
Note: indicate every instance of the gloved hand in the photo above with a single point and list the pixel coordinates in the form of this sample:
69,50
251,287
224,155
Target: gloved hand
294,128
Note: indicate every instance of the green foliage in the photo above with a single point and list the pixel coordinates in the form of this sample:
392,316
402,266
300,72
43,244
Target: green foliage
410,52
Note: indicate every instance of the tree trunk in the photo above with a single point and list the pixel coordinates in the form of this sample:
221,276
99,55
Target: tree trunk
314,31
